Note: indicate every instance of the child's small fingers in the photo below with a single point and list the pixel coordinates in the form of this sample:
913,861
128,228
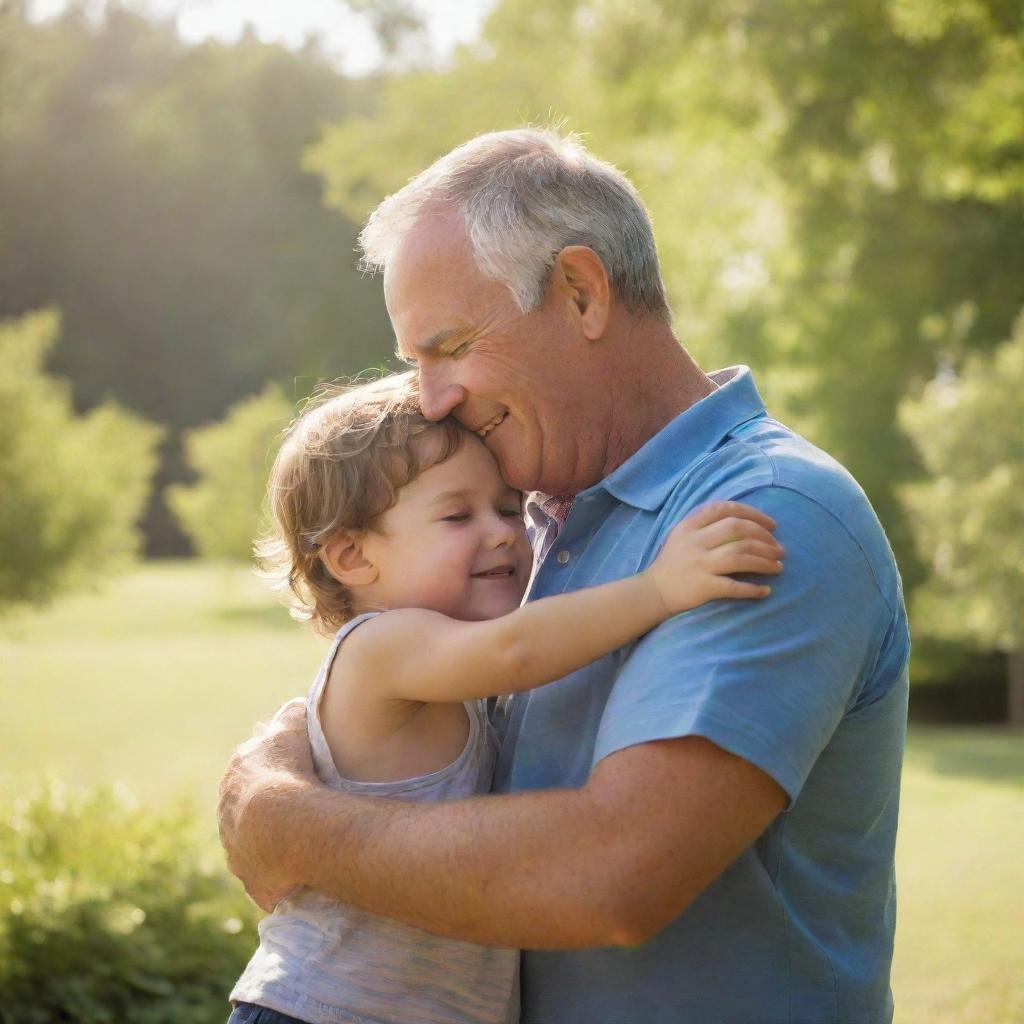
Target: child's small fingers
751,564
704,516
731,588
721,510
770,552
756,515
732,529
765,546
762,566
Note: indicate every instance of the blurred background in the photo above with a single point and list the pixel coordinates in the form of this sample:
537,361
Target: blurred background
837,188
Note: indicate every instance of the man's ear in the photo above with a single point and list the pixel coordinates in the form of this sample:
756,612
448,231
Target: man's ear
343,556
581,273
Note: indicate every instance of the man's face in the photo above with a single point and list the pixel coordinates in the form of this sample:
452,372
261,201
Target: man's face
513,378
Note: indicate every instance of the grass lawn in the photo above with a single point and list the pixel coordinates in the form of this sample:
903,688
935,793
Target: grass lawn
960,877
152,680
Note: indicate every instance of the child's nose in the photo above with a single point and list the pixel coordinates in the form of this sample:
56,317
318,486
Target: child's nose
502,531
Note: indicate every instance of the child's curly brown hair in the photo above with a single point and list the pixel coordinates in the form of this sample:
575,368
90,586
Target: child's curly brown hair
340,467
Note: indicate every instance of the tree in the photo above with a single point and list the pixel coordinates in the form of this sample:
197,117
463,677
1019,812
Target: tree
221,511
969,515
836,186
71,487
152,191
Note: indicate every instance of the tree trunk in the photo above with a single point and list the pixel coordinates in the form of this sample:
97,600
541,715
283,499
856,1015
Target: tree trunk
1015,688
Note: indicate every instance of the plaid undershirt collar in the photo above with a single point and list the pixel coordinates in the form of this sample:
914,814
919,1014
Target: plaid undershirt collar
557,506
545,516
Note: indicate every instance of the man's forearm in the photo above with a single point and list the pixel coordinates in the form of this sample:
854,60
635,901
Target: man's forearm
494,870
609,864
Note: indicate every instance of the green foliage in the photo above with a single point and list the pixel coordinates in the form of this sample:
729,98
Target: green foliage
152,192
73,486
969,514
836,187
903,209
113,915
220,512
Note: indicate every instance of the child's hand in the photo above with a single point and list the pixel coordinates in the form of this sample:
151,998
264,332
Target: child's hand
703,551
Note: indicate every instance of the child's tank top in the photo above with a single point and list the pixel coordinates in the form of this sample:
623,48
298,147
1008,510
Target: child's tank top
329,963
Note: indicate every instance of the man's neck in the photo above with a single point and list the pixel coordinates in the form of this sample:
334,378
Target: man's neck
658,380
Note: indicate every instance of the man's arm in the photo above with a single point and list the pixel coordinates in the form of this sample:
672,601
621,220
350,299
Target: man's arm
609,864
664,812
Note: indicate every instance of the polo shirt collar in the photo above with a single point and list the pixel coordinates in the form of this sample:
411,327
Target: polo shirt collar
648,476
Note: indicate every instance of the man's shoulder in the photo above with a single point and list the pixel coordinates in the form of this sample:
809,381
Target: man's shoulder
764,461
765,454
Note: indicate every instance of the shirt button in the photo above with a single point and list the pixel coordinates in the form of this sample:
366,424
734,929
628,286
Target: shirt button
563,557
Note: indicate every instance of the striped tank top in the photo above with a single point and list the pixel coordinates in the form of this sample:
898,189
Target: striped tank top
329,963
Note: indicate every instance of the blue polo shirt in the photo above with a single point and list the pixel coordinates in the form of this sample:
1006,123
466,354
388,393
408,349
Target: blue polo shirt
810,685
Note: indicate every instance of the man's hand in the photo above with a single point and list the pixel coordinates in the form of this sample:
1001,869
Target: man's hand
272,765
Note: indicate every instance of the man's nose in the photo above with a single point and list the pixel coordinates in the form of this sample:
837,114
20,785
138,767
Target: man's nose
438,395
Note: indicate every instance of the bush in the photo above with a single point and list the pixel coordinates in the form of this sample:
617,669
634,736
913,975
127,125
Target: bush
113,915
221,512
73,487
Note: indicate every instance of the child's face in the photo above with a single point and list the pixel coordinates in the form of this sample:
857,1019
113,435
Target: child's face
454,542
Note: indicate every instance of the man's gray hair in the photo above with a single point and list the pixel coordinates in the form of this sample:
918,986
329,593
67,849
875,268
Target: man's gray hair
524,195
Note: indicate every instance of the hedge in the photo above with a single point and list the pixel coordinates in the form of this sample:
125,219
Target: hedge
113,914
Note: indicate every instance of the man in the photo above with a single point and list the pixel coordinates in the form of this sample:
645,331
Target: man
701,827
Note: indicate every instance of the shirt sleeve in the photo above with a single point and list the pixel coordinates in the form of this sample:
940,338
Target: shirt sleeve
768,680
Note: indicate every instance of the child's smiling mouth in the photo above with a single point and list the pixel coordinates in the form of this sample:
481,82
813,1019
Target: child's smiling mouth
499,572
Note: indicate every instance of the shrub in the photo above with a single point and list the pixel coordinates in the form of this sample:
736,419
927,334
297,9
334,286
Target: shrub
221,511
72,487
114,915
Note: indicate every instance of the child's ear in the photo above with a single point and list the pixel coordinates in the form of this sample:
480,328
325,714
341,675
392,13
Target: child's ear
343,556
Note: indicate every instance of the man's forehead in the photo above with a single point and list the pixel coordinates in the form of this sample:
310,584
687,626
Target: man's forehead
437,295
429,266
432,237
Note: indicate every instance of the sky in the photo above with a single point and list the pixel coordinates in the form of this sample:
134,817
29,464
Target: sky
346,37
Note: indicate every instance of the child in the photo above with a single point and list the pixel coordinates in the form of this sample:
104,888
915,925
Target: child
402,535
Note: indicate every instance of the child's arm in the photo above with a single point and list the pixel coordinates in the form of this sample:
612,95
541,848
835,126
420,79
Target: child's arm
421,655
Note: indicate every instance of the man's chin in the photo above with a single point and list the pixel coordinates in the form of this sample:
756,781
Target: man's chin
522,474
517,476
513,472
530,478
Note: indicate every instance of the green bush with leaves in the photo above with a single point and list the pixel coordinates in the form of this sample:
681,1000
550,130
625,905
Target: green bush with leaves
221,511
969,515
114,915
72,488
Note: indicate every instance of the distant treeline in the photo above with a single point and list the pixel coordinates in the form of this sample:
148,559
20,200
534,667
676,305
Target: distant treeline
153,194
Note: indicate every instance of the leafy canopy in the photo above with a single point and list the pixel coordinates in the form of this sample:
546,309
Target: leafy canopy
969,514
836,186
